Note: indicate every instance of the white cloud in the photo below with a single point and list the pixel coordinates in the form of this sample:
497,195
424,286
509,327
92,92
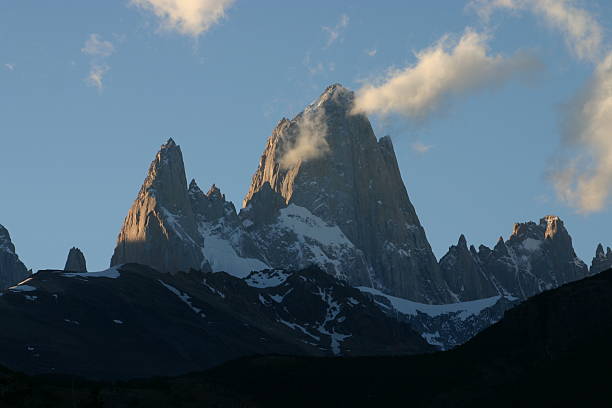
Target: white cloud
99,50
188,17
96,75
582,32
371,52
10,67
97,47
333,33
585,182
420,147
442,72
309,141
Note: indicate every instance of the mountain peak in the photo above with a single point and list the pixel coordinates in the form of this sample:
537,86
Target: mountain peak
215,193
193,186
553,225
462,241
12,270
169,143
75,261
599,252
335,95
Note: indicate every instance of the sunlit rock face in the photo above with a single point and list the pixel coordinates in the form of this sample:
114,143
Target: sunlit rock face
75,261
12,270
329,162
602,260
160,229
535,258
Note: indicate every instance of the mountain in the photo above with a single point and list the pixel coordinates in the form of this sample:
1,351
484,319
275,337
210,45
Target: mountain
602,261
12,270
551,351
345,210
160,229
327,164
75,261
133,321
535,258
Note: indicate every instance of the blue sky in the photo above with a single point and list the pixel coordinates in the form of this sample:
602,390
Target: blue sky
74,153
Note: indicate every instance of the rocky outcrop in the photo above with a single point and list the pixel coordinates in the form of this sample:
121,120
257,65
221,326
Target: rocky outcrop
160,229
602,260
12,270
535,258
462,269
329,162
75,261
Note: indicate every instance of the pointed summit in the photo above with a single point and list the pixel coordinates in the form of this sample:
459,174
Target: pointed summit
351,180
602,261
12,270
462,241
215,193
193,186
75,261
160,228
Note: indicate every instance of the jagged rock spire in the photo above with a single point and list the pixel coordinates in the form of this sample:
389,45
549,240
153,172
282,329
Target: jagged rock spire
536,257
160,228
75,261
12,270
602,261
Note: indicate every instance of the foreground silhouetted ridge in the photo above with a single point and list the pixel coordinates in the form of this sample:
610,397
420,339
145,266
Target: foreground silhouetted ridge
552,350
132,321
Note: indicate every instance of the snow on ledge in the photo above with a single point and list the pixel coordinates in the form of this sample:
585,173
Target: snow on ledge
112,273
408,307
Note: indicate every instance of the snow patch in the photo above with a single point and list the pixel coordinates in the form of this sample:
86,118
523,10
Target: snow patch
112,273
531,244
222,257
184,297
408,307
266,278
22,288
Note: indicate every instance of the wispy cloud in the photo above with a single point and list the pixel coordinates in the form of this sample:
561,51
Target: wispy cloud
582,175
308,141
583,33
10,67
188,17
334,33
586,180
420,147
97,47
372,52
99,50
447,70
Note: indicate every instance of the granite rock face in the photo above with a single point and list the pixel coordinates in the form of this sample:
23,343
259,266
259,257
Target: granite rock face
536,257
160,229
353,183
602,260
12,270
75,261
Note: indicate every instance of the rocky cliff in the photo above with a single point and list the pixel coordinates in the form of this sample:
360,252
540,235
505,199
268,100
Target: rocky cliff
329,162
12,270
75,261
535,258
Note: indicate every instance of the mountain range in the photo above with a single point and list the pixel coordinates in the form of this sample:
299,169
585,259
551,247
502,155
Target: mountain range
327,256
